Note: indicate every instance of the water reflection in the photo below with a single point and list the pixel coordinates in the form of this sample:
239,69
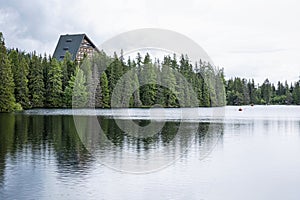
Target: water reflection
7,138
44,157
52,142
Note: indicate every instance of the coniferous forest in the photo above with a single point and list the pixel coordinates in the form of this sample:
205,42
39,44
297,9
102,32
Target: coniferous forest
29,81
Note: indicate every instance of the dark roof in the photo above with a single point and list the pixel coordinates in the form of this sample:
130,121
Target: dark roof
70,43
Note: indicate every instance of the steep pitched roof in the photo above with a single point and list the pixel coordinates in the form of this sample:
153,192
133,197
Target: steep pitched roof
70,43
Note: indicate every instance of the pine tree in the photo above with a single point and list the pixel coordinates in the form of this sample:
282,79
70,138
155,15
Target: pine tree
246,96
68,69
76,94
169,82
54,85
20,71
251,89
296,93
46,67
22,92
7,99
205,85
114,73
104,90
36,82
135,99
288,94
148,82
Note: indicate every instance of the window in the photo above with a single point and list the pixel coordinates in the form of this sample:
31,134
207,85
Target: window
66,48
69,40
62,56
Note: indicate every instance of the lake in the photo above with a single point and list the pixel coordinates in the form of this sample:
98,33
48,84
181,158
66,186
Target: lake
192,153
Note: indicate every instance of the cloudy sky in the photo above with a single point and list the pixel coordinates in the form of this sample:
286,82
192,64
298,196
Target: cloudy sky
249,38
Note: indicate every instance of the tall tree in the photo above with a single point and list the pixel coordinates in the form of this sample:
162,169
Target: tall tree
296,93
148,82
169,82
46,67
68,69
104,90
20,72
76,92
288,94
114,73
36,82
54,85
7,99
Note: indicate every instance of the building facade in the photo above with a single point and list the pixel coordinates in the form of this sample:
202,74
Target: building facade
78,45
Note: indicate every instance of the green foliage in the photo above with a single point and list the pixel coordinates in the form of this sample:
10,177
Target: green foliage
29,81
296,93
267,93
68,69
76,92
54,98
168,80
7,99
21,88
36,82
148,83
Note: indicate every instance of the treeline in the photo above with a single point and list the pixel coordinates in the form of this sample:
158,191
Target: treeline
35,81
242,92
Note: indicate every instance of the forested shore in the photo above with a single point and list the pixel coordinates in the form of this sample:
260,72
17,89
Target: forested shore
30,81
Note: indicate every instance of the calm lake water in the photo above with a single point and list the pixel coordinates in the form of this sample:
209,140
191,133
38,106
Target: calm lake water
135,154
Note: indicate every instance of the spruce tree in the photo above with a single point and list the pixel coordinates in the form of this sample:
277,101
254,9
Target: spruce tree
21,87
46,68
76,94
68,68
136,101
296,93
104,91
54,89
169,81
36,82
148,82
114,72
7,99
19,68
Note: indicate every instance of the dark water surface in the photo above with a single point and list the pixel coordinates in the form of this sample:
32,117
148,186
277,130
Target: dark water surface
207,154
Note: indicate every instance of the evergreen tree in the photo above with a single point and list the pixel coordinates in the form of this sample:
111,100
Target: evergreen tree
296,93
7,99
76,92
46,68
266,91
54,89
22,92
36,82
20,72
148,82
246,95
68,68
168,79
251,89
205,99
288,94
114,73
135,100
104,91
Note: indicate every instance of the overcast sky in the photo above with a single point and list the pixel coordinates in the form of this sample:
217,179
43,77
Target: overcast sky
249,38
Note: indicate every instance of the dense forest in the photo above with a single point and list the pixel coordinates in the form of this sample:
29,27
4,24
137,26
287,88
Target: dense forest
243,92
34,81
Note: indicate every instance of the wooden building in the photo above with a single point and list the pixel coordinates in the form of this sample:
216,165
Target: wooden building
79,45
